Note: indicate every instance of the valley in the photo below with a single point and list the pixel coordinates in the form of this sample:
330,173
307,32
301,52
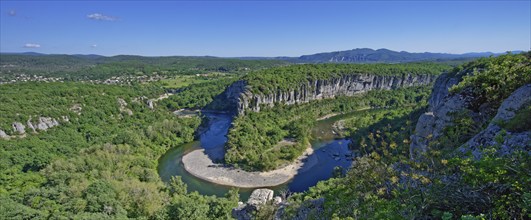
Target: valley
265,110
332,140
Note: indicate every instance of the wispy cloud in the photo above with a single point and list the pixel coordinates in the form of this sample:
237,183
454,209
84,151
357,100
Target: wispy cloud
32,45
101,17
94,45
12,13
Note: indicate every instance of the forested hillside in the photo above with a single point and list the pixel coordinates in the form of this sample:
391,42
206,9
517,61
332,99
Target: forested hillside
283,78
254,137
79,150
489,181
101,162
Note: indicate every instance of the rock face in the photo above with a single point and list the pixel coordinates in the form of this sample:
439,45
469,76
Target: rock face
241,98
441,104
258,198
519,99
440,89
431,124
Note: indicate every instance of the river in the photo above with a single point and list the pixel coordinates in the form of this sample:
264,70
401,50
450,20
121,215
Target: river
329,150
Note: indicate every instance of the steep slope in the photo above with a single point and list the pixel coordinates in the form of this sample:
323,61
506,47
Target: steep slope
471,161
469,99
302,84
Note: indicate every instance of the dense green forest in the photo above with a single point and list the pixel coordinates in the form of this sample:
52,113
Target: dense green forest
199,96
254,137
101,163
284,78
87,67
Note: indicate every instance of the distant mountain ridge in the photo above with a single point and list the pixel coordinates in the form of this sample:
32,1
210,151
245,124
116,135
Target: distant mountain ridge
358,55
367,55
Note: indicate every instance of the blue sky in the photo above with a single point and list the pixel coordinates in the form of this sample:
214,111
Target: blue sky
262,28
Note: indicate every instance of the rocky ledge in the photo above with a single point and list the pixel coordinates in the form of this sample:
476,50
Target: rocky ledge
258,198
239,96
442,105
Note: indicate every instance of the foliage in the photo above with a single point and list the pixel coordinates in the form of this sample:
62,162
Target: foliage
198,95
521,121
181,81
270,80
493,79
384,184
253,141
388,186
101,163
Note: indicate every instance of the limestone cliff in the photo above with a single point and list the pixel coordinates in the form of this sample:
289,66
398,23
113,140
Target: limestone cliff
241,98
430,125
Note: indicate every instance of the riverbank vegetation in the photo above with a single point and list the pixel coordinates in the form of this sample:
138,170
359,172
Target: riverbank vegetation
384,183
252,141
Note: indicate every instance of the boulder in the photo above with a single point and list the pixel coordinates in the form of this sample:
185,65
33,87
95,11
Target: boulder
277,200
18,127
150,104
258,198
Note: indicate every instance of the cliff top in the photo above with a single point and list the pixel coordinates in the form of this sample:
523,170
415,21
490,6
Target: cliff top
285,77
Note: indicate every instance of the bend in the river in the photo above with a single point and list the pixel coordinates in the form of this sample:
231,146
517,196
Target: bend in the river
328,153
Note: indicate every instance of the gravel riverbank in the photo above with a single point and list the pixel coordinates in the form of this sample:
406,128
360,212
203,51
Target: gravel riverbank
199,164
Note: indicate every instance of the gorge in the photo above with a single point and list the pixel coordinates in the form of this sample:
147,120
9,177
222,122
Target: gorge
242,96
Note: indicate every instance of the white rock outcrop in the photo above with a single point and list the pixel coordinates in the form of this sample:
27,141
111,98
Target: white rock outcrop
18,127
239,93
258,198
